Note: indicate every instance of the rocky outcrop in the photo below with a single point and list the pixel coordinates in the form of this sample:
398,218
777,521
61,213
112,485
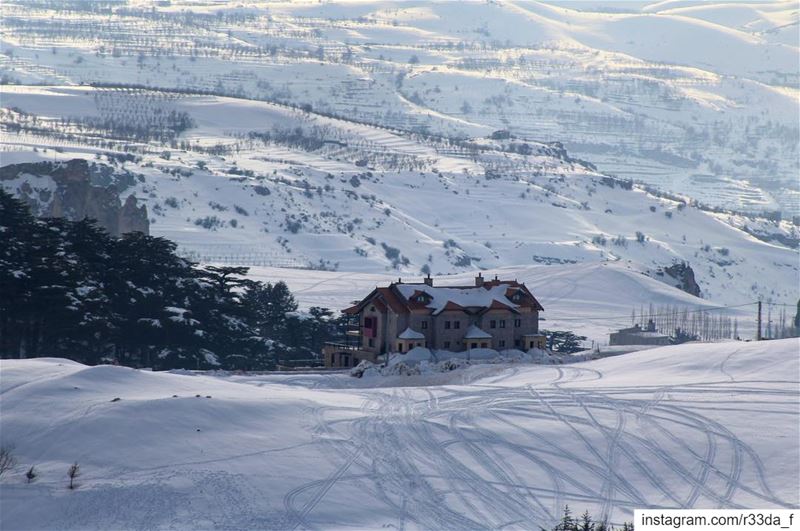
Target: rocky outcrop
683,276
76,190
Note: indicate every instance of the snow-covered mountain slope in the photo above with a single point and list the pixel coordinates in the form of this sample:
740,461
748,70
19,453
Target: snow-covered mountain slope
695,97
701,425
255,183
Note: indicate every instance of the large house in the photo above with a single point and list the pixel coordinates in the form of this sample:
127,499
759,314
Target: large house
495,314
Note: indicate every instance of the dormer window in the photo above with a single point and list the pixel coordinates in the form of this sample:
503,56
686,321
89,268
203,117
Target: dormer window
422,297
516,297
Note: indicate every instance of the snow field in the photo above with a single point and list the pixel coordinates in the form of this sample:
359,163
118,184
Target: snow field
685,426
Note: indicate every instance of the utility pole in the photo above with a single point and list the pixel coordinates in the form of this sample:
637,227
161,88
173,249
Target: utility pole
758,328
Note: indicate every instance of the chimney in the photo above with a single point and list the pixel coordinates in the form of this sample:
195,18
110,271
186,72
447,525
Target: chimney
479,280
399,280
428,280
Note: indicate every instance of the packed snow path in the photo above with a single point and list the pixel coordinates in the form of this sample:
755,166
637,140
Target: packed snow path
500,447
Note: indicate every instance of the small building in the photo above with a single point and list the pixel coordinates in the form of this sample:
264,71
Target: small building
408,339
496,314
474,337
636,335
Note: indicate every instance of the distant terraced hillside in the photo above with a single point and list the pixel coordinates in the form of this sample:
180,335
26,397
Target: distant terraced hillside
694,97
252,183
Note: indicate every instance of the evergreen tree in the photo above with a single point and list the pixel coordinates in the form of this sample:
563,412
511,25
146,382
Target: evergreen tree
567,522
585,523
563,341
69,289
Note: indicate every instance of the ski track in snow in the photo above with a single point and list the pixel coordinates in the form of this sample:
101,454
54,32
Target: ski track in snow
432,463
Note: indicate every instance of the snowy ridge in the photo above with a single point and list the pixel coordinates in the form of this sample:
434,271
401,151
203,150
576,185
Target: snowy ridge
697,425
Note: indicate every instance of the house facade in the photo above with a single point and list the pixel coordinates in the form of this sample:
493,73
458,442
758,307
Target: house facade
496,314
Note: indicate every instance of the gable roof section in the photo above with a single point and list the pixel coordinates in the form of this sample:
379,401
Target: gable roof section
380,297
410,334
473,332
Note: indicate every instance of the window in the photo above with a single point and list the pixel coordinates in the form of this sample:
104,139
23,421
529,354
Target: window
516,342
456,324
502,342
420,298
492,324
424,325
484,345
371,342
446,344
517,323
503,323
399,347
473,345
447,325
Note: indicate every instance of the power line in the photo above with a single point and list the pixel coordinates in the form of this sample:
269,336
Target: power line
680,312
779,304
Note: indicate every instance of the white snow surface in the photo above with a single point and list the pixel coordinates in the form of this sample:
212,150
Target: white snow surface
410,334
700,425
465,297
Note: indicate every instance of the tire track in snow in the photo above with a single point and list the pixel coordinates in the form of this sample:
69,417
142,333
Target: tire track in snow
632,491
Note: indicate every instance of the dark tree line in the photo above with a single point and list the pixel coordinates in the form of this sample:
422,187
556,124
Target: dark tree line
68,289
585,522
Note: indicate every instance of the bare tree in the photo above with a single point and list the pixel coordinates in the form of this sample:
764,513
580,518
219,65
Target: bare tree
7,460
73,472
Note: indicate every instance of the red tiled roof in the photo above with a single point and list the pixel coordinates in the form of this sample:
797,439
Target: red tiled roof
394,302
381,297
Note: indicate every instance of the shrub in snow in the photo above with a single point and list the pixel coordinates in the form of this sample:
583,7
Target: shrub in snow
401,369
452,364
73,472
7,459
359,370
31,474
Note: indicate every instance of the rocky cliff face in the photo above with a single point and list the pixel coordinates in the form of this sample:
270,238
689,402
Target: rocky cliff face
76,190
683,276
